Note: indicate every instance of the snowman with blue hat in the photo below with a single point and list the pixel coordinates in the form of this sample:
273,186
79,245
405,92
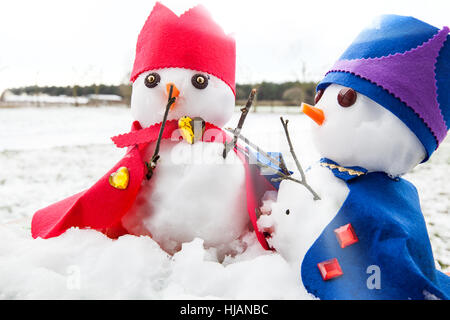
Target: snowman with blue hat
382,109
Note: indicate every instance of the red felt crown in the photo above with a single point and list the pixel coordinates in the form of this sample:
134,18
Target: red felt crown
191,41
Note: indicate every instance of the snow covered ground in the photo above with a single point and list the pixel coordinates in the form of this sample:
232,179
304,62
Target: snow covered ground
47,154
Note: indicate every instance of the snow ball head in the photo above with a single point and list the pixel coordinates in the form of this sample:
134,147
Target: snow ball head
357,131
200,95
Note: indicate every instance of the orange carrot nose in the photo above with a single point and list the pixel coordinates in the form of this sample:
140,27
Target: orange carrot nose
314,113
175,91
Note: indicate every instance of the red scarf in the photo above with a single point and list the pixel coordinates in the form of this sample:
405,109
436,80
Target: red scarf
212,134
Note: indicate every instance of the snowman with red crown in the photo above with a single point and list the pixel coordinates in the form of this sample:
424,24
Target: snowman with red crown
183,94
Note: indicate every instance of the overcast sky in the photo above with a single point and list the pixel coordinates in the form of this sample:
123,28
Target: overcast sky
50,42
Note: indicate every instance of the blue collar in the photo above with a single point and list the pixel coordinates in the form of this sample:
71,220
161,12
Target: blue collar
344,173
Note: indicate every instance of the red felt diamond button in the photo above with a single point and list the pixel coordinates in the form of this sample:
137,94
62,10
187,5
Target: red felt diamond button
330,269
346,235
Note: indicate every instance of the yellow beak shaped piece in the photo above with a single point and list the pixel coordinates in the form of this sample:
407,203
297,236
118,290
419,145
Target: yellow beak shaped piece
192,130
186,130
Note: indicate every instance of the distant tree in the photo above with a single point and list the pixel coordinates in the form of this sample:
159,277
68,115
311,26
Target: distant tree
125,93
269,91
75,94
242,91
293,95
309,91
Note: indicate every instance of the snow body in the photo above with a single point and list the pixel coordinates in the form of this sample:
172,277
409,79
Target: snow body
194,192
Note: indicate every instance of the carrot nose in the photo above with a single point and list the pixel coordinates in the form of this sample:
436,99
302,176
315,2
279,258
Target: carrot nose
175,91
314,113
172,91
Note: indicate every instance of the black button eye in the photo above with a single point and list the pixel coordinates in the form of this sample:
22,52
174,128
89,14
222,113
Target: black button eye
347,97
199,81
152,80
319,95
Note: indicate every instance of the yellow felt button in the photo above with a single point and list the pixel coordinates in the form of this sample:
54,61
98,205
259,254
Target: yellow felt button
120,178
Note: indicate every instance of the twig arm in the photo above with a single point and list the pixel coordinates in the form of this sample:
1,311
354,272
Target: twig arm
297,163
237,131
291,148
257,148
284,174
152,164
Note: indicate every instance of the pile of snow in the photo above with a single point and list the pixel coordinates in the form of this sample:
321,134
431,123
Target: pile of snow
85,264
43,128
41,98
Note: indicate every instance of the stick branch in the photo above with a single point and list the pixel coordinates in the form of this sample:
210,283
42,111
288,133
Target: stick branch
152,165
237,131
255,147
281,175
297,163
285,174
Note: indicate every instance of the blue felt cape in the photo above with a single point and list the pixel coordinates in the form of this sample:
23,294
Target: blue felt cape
386,217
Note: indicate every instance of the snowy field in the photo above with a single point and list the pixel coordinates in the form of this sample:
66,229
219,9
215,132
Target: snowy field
47,154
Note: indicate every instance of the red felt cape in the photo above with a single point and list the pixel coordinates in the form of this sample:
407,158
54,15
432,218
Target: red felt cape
101,207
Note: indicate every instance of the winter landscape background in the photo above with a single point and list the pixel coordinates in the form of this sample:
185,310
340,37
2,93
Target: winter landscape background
47,154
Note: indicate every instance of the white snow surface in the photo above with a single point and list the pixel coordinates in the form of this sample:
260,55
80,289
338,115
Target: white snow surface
47,154
84,264
45,98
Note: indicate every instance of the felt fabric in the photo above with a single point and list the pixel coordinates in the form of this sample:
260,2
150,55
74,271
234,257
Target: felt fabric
102,206
403,64
258,182
443,81
191,41
347,173
386,217
151,133
256,186
411,79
